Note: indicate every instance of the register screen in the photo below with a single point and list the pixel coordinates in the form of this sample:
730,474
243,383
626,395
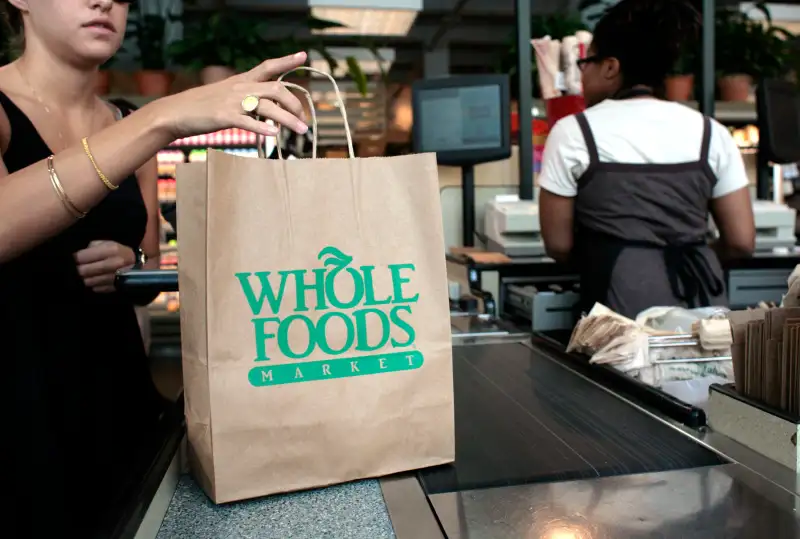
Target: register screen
460,118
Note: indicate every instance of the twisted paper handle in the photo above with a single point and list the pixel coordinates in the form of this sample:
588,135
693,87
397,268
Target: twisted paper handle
339,103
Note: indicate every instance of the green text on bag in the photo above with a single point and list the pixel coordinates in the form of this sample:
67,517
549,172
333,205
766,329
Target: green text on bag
314,291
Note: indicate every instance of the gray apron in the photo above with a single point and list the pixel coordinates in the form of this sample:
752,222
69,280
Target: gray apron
641,233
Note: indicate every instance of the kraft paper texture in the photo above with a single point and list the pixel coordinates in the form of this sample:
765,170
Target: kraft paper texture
344,376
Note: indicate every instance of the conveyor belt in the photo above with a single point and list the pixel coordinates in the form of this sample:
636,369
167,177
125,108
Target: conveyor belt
523,418
620,383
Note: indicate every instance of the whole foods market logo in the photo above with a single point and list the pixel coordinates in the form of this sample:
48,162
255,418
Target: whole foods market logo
347,314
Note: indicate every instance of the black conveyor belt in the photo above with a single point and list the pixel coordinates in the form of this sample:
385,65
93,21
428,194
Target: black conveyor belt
523,418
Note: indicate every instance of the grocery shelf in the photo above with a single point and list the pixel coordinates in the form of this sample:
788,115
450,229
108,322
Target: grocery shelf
726,112
731,112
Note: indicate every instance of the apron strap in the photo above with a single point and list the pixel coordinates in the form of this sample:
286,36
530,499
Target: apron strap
588,138
706,140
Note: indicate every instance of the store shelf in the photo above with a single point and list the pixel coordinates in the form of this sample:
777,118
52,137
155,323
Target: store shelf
730,112
724,111
366,114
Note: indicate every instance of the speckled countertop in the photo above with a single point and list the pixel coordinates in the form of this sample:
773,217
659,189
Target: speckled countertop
349,511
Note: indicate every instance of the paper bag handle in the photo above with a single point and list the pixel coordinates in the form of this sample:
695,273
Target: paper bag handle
261,140
339,104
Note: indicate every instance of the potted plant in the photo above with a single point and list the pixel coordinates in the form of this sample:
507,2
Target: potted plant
679,84
149,30
275,46
219,45
748,51
228,42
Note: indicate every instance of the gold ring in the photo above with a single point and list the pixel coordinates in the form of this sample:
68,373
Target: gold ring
250,104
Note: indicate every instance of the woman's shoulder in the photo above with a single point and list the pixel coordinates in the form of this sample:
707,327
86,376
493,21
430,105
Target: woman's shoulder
13,101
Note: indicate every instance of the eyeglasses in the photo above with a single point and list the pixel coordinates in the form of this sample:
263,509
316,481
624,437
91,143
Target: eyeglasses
593,59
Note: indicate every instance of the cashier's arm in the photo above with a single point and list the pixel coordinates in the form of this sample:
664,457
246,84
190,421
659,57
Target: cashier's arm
555,216
730,205
563,155
733,215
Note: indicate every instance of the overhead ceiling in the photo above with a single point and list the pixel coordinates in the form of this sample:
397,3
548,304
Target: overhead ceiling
477,33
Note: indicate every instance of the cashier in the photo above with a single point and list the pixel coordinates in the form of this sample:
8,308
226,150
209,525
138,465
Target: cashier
627,185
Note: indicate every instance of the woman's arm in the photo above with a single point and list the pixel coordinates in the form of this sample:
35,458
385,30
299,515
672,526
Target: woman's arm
30,210
147,176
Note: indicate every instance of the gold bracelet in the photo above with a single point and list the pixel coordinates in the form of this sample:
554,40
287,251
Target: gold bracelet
59,189
103,178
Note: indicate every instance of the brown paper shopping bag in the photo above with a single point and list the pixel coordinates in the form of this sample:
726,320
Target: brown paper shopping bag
314,319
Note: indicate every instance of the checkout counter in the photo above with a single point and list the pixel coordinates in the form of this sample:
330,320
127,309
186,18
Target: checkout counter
547,446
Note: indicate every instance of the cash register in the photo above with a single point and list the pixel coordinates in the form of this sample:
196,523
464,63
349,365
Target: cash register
775,225
778,107
511,227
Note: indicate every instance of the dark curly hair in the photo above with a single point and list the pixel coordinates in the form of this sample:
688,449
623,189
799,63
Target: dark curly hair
647,37
11,31
11,18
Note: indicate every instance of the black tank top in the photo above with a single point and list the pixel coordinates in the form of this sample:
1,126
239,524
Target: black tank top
77,393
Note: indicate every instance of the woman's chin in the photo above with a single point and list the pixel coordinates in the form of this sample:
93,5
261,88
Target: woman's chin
96,55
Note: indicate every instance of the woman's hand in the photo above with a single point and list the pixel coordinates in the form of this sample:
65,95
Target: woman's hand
98,264
218,106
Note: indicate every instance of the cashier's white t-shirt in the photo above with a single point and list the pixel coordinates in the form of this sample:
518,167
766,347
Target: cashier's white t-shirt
639,131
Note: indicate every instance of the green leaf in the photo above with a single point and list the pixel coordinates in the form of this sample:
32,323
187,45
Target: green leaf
357,74
377,54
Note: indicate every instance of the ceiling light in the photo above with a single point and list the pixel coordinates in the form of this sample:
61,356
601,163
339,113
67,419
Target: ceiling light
366,22
367,17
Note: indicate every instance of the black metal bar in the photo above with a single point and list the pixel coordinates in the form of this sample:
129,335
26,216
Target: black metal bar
708,74
625,385
763,177
446,24
525,99
468,204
